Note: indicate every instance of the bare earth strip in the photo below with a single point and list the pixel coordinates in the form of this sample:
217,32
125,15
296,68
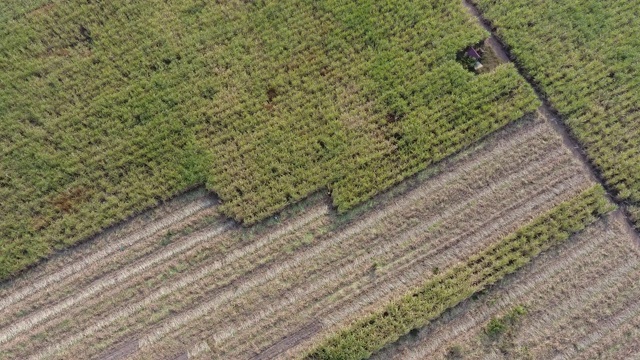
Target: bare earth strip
574,296
217,292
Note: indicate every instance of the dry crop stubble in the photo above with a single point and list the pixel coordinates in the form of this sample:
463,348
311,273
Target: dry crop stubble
563,284
268,278
31,284
239,338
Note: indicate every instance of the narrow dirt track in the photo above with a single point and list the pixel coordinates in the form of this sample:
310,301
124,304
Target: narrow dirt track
221,291
574,296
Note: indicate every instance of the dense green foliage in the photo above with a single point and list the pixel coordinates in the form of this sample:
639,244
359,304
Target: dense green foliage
585,56
447,289
107,107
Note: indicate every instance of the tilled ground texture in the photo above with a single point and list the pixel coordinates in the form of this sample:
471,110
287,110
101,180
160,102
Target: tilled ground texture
576,301
199,286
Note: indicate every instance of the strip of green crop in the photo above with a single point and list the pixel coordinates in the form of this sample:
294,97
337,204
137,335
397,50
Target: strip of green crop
445,290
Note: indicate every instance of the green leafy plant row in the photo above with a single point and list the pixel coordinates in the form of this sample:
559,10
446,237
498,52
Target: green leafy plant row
449,288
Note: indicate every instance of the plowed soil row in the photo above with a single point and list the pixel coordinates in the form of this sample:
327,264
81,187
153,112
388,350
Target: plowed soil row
215,289
580,302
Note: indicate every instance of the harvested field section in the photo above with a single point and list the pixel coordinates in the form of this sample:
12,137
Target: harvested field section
213,244
278,291
577,301
635,215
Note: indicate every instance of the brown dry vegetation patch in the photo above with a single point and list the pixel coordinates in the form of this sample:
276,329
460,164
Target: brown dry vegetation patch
67,201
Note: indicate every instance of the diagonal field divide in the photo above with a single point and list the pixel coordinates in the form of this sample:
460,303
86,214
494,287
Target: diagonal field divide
103,254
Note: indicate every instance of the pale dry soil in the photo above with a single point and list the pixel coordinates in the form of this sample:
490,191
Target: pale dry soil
199,286
580,301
